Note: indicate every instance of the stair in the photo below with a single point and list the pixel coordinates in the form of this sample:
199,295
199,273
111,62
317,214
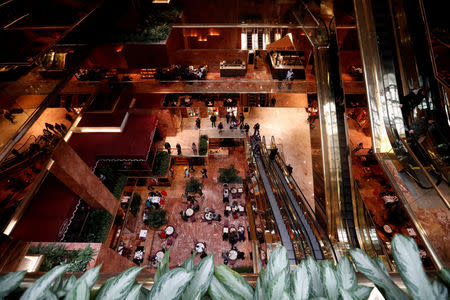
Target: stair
181,160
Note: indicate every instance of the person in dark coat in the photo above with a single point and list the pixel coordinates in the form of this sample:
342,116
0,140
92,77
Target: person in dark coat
167,147
289,169
178,149
228,116
213,120
197,123
256,128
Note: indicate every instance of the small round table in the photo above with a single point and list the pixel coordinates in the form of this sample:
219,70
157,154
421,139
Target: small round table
200,247
159,256
209,216
189,212
232,255
169,230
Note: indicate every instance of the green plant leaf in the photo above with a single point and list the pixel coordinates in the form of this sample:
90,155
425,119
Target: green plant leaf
199,284
362,292
188,264
69,283
79,292
135,292
346,294
316,288
10,282
346,274
445,275
259,289
407,258
90,276
372,271
300,282
381,265
276,288
330,279
233,281
119,286
278,266
217,291
57,285
440,290
171,284
43,284
163,266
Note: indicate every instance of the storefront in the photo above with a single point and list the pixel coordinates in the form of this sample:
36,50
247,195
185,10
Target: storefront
193,111
233,111
213,111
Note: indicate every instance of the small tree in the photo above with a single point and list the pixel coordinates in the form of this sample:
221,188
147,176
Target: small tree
156,218
193,186
229,175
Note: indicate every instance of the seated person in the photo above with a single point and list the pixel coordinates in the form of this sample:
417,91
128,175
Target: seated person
241,255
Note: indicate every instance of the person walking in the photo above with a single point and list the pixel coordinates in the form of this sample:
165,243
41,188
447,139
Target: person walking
228,116
178,149
63,127
256,129
197,123
359,147
186,173
273,101
220,127
167,147
289,169
273,153
246,127
194,148
241,118
49,126
204,173
171,172
213,120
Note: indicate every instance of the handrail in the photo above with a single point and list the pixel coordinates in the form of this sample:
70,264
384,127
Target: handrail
427,175
429,44
294,224
367,217
307,208
417,224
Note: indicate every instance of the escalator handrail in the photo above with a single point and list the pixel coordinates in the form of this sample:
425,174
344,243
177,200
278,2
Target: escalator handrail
372,223
308,232
283,196
429,44
427,175
310,213
288,244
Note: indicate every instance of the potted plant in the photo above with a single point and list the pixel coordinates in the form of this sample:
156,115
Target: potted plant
193,186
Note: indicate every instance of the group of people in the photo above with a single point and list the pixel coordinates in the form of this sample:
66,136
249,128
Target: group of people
182,72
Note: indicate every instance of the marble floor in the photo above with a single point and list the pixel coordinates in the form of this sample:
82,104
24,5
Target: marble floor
188,232
210,234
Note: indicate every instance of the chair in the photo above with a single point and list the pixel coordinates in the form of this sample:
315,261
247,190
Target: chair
175,235
161,202
169,242
226,224
163,235
209,222
231,262
192,219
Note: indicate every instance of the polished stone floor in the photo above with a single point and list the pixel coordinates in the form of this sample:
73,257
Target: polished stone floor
289,126
210,234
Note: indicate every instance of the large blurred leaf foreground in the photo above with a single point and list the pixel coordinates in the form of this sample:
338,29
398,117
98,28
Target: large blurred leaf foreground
277,281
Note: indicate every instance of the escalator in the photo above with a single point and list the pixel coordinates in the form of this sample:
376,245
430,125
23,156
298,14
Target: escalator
290,208
281,226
